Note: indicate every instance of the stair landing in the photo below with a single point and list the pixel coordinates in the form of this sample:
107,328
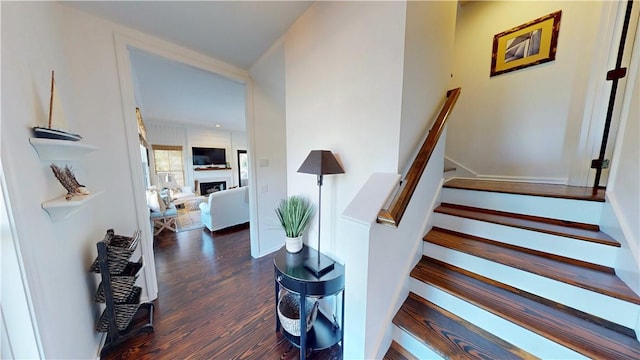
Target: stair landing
534,189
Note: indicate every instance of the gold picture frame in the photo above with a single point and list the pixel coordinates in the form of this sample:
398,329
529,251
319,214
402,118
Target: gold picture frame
526,45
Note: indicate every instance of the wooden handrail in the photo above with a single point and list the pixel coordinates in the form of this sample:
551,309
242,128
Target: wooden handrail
393,214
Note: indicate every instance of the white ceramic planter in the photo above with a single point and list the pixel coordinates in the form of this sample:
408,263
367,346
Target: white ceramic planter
293,245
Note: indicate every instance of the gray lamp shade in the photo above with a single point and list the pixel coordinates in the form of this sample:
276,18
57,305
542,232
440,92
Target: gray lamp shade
321,162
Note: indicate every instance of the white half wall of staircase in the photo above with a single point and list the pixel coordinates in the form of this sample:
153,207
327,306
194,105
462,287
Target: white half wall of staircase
357,220
621,216
380,258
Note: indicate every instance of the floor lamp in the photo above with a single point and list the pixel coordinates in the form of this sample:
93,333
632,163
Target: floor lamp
320,163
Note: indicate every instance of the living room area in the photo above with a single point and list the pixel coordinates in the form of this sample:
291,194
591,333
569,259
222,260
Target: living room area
185,192
192,145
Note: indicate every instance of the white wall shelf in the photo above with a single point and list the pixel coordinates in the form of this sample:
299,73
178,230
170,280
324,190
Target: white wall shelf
60,150
61,208
55,150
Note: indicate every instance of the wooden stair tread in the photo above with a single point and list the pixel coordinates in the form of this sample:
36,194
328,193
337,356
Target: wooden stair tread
397,352
580,231
534,189
542,264
449,335
576,330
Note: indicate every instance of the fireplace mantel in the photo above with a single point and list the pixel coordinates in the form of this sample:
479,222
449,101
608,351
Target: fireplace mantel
210,169
206,188
219,174
213,176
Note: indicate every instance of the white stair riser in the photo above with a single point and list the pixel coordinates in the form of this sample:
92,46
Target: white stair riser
564,209
572,248
415,347
606,307
525,339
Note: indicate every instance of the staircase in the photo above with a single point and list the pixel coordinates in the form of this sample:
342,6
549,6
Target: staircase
516,271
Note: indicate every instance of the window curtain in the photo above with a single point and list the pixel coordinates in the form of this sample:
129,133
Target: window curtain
168,165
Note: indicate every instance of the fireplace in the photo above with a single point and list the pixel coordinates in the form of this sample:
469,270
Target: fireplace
211,187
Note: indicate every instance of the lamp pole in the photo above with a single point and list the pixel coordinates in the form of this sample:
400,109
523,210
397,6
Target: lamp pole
320,162
319,214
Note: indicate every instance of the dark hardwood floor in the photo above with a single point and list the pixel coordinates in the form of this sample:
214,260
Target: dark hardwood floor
214,302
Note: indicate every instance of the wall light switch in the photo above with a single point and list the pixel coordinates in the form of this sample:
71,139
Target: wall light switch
264,162
264,188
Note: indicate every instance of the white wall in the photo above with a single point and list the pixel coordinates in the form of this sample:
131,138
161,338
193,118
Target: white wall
353,71
343,69
523,124
37,38
430,25
269,147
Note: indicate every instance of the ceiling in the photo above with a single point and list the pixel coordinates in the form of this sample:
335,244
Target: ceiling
236,32
171,92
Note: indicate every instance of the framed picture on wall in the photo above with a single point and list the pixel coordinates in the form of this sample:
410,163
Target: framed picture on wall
526,45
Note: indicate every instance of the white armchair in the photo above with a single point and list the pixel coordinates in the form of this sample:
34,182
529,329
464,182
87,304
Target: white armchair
225,208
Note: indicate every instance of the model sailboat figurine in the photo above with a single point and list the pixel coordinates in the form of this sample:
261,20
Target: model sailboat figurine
56,118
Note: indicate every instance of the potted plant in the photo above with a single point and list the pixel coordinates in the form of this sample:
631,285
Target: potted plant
294,214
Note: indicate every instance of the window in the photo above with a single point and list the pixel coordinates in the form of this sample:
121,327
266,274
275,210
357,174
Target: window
243,168
168,164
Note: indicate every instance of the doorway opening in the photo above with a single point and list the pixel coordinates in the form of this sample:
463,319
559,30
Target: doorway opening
145,69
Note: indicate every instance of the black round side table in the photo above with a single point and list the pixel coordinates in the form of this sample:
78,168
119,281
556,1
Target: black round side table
291,275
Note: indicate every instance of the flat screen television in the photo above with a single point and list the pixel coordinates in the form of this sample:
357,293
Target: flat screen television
209,156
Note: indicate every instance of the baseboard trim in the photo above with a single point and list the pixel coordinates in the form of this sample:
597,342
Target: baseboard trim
470,174
271,250
541,180
458,166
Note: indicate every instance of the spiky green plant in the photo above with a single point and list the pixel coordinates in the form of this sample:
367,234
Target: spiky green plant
294,214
